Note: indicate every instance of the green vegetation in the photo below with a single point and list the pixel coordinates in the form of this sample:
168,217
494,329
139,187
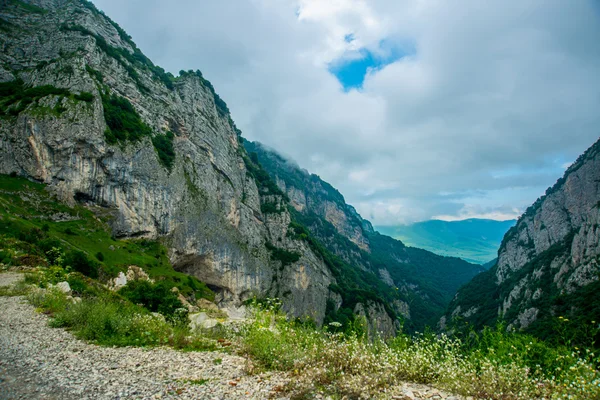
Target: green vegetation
354,284
29,237
95,74
435,278
164,147
155,297
270,208
284,256
266,185
492,364
578,310
15,97
80,262
30,8
108,319
124,123
338,359
474,240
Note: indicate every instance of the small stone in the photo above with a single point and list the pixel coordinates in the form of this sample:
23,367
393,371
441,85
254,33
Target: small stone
64,287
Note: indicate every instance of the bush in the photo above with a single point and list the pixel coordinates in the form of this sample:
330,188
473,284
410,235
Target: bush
78,284
50,301
33,235
286,257
100,256
164,147
6,257
95,74
85,96
80,262
108,322
123,122
154,297
493,365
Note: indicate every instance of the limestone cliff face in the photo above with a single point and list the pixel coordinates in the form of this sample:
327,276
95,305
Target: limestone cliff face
549,261
207,207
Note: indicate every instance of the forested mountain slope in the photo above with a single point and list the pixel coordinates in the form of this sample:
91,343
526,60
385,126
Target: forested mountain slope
425,282
547,269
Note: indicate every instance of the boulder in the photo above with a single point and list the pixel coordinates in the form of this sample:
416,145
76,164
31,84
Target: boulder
201,320
63,287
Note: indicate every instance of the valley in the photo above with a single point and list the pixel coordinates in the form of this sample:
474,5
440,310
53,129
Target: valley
148,249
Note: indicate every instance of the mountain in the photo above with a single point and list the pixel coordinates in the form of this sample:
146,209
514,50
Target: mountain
547,277
425,282
86,113
473,240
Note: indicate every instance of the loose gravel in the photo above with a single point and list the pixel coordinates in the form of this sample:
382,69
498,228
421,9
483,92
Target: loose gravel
39,362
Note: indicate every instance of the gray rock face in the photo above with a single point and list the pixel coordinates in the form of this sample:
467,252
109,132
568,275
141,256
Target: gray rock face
552,252
379,322
207,209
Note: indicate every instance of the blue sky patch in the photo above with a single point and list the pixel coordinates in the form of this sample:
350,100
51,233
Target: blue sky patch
351,72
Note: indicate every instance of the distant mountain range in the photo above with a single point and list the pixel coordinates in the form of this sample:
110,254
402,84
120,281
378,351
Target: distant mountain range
473,240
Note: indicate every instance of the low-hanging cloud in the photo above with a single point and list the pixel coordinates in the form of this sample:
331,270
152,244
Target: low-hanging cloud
493,100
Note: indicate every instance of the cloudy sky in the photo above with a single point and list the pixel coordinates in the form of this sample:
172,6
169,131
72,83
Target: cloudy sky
413,109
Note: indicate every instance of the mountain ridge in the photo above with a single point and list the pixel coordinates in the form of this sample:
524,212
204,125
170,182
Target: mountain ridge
425,281
85,112
474,240
547,264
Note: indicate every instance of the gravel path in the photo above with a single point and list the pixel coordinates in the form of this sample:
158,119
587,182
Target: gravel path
39,362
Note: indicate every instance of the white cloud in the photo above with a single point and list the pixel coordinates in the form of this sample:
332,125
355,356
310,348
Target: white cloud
495,93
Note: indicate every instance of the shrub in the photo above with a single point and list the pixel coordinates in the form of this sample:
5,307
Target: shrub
270,208
494,365
33,235
85,96
100,256
50,301
154,297
123,122
286,257
108,322
78,284
80,262
55,256
164,147
6,257
95,73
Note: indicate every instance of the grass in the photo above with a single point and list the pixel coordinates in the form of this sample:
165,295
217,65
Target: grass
30,8
16,98
492,364
26,229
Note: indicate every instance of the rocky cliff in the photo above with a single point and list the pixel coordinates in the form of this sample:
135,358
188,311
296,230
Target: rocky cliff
84,111
422,283
547,265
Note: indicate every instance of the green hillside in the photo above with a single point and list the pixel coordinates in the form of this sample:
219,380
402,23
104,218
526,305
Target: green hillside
473,240
35,226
